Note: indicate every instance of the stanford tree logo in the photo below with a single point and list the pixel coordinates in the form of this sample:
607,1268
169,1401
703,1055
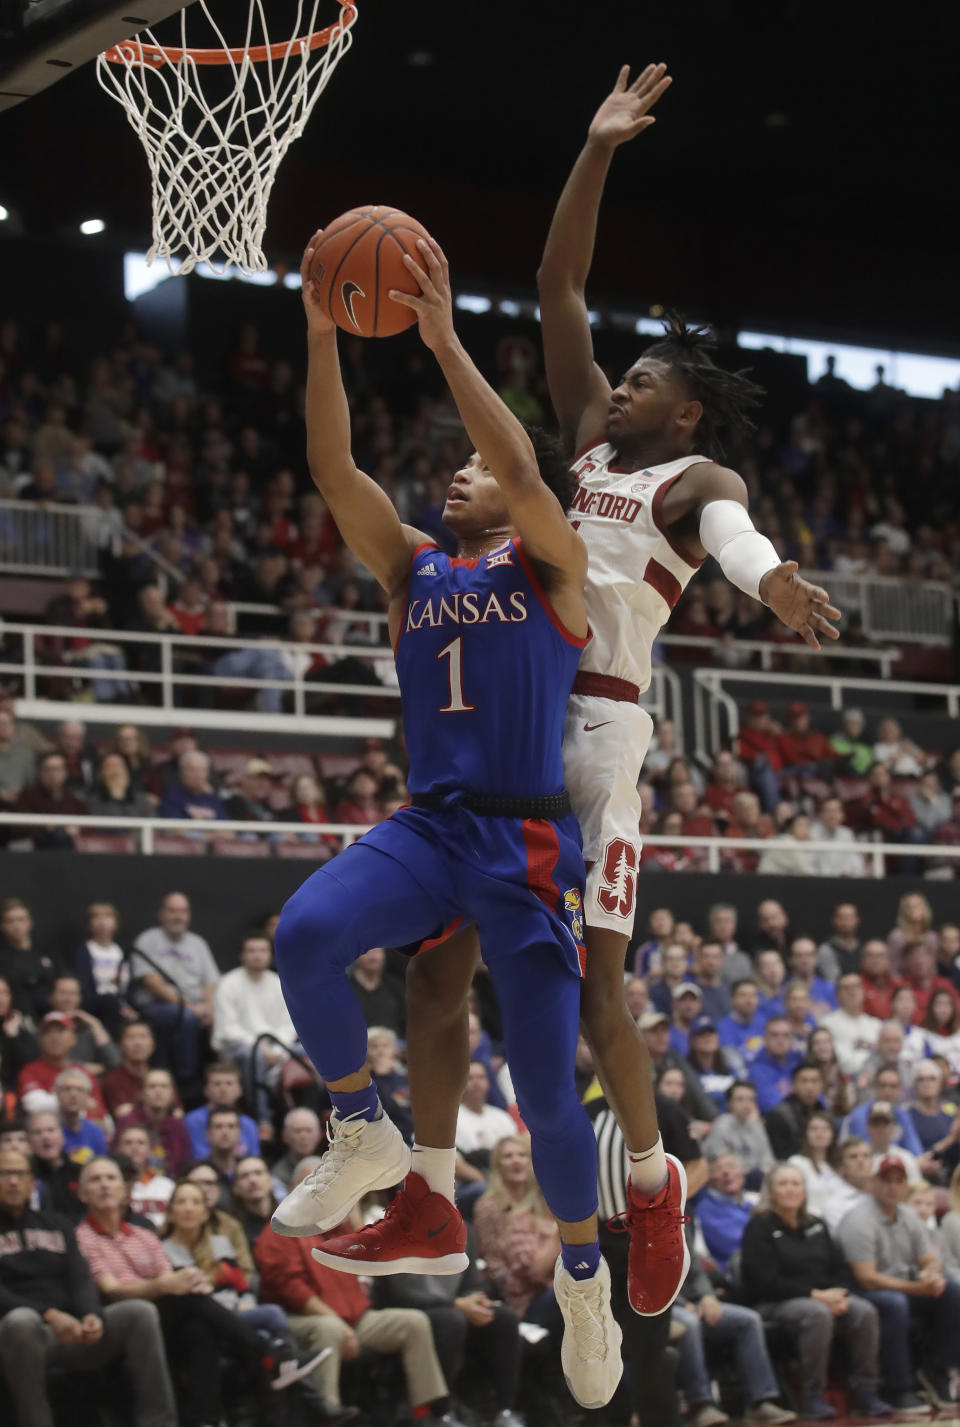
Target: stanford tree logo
619,874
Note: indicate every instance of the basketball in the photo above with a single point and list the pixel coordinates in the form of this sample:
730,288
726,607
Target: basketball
356,263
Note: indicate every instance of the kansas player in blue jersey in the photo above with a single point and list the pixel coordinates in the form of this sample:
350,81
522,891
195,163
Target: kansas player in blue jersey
487,645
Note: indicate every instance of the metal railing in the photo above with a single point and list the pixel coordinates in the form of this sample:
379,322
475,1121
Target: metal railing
51,539
223,829
770,652
172,648
663,699
711,700
38,539
893,607
875,854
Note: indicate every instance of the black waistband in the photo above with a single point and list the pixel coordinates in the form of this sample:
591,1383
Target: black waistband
555,805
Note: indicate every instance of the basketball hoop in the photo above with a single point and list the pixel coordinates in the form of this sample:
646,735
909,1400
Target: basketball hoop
214,156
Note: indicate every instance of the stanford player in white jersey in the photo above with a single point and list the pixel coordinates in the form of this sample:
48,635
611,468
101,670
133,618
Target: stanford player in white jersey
654,502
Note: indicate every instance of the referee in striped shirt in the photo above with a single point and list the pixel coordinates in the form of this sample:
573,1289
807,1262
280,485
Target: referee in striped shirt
644,1339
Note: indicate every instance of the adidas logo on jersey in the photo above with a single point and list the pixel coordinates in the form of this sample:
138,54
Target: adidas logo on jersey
428,569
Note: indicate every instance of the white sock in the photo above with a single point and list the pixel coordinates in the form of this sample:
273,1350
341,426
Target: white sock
437,1167
648,1168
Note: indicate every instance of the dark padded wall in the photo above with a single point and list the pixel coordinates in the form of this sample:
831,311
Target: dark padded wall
231,894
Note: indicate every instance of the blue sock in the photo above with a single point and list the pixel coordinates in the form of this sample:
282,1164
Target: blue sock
365,1103
581,1260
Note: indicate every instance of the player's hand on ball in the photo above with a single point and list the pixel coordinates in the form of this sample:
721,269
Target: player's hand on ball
318,319
626,111
798,604
434,304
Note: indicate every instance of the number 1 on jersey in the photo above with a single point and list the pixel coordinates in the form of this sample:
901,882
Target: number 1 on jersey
454,651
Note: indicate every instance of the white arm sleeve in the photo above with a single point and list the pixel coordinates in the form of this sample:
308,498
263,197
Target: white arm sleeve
743,554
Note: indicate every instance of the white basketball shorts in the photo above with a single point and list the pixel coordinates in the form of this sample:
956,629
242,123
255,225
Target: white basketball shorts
604,744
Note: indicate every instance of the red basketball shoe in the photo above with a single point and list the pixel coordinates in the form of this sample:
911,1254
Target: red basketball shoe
659,1258
421,1232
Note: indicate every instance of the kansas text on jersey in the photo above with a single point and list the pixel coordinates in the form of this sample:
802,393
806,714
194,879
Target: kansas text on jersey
485,669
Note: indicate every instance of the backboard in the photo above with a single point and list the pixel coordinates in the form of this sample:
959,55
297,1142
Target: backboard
41,41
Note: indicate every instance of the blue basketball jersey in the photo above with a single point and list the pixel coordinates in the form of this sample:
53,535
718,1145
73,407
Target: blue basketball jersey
485,669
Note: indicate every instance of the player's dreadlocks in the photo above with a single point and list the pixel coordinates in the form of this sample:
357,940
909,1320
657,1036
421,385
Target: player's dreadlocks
554,464
727,397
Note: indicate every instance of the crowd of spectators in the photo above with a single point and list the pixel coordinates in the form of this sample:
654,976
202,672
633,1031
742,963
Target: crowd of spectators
205,464
157,1108
850,787
121,776
198,497
136,1191
847,782
819,1072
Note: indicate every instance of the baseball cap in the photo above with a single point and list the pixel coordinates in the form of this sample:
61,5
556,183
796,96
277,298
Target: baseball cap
890,1163
649,1019
181,732
797,708
369,743
57,1018
701,1025
258,765
757,706
881,1110
687,988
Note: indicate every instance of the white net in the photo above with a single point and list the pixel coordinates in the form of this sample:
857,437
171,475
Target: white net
215,133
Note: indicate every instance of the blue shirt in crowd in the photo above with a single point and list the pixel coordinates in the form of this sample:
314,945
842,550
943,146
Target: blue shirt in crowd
821,990
716,1002
178,802
930,1129
723,1221
773,1078
905,1134
746,1040
196,1123
88,1137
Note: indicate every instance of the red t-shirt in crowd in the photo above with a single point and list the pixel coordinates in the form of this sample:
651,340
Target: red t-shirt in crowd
812,747
939,983
289,1276
720,800
752,744
121,1087
886,812
40,1075
876,999
191,621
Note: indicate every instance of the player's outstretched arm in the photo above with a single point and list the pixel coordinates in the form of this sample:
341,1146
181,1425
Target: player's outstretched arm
708,508
364,515
578,389
497,435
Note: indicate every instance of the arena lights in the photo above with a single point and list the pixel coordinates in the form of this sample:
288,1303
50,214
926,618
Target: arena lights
4,213
91,226
472,302
912,372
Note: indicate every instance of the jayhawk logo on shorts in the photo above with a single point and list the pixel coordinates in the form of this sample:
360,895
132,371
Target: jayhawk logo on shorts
573,906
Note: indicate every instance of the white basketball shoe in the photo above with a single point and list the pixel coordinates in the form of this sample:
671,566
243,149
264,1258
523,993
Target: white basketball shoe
590,1354
362,1155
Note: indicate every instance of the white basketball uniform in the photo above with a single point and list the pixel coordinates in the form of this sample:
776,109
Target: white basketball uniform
636,573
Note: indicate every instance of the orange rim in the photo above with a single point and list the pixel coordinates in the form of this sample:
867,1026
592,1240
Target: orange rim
128,52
